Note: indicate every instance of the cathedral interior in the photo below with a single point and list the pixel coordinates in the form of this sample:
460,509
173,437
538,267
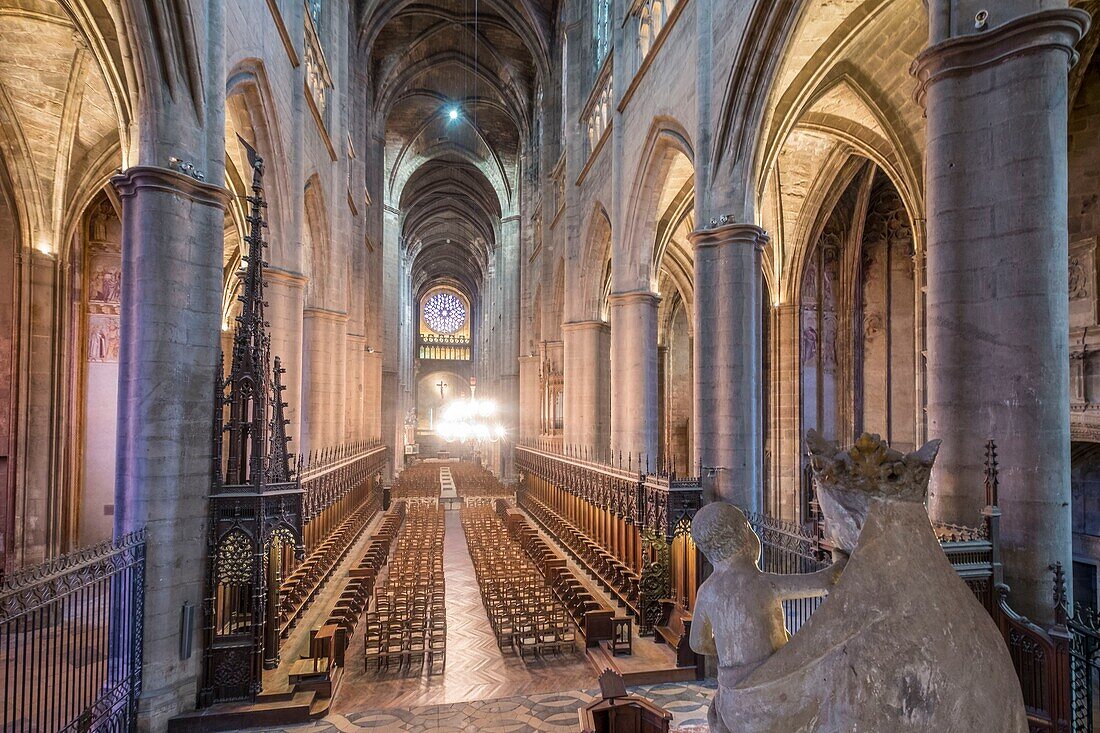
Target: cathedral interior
364,364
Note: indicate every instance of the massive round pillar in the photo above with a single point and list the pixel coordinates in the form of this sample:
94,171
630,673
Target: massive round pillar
728,420
587,346
170,327
634,426
997,264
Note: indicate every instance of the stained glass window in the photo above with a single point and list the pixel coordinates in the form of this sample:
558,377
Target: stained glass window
444,312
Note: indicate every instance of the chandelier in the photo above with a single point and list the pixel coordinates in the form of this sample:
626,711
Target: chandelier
470,421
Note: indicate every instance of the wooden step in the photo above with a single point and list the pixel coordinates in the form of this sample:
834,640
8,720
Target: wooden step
235,716
600,658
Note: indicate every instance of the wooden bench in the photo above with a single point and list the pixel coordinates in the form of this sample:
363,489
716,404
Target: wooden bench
674,629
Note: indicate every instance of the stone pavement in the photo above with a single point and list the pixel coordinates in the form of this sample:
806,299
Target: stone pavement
554,712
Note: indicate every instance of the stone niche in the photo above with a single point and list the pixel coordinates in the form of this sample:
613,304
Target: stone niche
1082,283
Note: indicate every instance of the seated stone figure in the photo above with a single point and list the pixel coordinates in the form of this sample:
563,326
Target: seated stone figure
901,645
738,614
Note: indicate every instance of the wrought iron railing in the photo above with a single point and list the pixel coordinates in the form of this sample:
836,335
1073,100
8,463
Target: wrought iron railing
71,641
787,548
1083,628
658,503
444,348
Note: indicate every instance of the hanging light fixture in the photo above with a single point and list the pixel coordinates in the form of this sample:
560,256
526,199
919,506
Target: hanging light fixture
470,421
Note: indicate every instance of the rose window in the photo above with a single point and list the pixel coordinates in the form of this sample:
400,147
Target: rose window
444,313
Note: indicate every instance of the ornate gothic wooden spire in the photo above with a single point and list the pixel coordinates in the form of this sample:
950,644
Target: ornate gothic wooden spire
256,500
248,383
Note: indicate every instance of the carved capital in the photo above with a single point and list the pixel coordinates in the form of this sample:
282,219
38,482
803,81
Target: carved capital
573,326
149,177
747,235
634,296
1057,29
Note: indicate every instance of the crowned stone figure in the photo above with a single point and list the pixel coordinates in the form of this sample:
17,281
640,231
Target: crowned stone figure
901,644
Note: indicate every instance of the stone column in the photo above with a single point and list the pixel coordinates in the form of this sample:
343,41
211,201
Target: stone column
997,263
323,378
285,294
170,327
634,426
587,377
727,360
354,398
786,406
373,390
530,400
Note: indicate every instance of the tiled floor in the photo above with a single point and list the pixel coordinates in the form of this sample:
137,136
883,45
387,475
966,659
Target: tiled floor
554,712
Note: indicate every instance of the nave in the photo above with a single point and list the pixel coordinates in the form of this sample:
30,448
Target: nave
513,641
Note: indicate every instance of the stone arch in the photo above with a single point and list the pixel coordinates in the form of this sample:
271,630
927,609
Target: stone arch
521,17
317,247
409,163
251,112
667,162
594,265
826,146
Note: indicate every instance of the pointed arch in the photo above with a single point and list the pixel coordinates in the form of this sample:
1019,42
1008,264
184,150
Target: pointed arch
667,157
594,264
317,245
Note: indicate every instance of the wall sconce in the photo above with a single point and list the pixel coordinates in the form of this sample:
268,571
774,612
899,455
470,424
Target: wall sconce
44,247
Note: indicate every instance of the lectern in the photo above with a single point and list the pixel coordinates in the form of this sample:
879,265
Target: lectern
620,712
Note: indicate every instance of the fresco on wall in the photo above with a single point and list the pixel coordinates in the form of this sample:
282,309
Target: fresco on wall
103,335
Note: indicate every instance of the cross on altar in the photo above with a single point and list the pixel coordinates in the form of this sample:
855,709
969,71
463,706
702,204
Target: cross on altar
441,385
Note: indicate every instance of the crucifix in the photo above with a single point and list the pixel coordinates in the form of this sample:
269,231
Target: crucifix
441,385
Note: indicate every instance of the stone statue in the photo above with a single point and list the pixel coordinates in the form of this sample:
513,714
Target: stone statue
738,614
901,644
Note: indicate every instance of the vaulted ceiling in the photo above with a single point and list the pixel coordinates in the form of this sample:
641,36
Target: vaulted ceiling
454,85
58,122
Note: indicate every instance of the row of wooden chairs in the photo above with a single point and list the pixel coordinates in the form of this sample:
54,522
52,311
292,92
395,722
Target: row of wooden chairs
301,587
355,597
406,629
619,580
524,613
472,479
578,601
419,480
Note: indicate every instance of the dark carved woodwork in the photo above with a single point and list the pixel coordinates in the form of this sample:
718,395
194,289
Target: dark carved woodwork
256,507
661,504
656,583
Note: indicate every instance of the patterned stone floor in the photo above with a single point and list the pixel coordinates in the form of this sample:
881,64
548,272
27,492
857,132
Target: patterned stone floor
553,712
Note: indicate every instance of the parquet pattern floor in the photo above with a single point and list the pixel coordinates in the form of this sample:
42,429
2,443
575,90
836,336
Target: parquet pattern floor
476,669
553,712
482,688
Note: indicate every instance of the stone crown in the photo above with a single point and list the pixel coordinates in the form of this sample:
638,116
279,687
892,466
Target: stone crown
872,467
